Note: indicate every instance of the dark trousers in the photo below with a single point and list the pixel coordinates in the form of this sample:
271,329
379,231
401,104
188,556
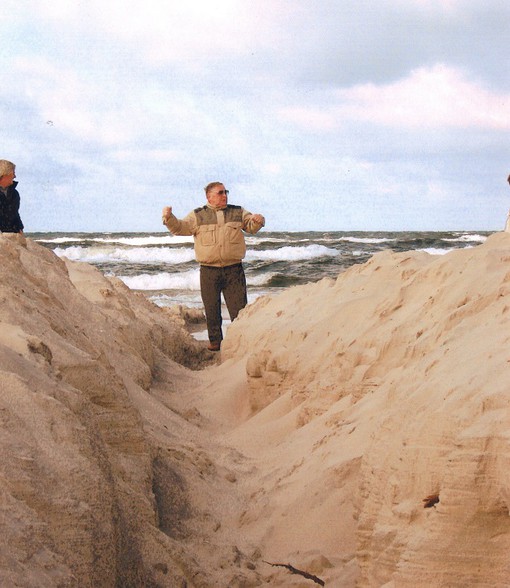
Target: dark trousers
214,281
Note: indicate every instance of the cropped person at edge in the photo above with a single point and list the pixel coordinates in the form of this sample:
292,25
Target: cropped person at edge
217,230
10,221
507,224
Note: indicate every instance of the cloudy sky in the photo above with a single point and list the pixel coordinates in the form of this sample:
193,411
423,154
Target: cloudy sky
319,114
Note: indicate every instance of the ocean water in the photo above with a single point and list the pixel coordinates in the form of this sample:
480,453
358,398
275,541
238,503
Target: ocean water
163,266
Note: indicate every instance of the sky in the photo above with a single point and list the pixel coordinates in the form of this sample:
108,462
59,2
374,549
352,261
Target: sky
323,115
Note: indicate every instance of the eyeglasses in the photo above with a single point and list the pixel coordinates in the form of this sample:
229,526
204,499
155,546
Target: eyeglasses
226,192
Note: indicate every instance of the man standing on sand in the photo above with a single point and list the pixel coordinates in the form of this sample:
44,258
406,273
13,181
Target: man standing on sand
10,221
217,229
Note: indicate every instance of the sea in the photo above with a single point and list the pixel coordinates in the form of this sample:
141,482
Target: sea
163,266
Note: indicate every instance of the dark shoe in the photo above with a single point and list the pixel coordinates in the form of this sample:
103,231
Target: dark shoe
214,346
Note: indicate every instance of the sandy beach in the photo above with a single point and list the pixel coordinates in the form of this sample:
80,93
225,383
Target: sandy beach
352,432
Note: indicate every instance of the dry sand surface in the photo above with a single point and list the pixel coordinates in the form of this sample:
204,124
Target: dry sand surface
356,430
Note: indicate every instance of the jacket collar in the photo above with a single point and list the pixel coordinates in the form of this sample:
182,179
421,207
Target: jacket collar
216,208
9,188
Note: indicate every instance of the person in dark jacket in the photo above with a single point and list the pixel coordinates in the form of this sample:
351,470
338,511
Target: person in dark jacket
507,224
10,221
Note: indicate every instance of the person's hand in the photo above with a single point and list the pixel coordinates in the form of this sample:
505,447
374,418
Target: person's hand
166,214
258,218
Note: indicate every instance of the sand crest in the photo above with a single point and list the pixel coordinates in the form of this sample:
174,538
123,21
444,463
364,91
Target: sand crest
355,429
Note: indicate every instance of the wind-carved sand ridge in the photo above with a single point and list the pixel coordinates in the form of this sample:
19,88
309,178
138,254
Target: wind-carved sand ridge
356,430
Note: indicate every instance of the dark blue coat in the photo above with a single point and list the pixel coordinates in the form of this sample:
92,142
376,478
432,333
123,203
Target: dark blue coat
10,221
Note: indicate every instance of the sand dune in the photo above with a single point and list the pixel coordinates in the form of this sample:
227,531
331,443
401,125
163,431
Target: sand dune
356,429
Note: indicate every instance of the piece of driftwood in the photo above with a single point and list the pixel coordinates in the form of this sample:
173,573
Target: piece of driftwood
430,500
294,570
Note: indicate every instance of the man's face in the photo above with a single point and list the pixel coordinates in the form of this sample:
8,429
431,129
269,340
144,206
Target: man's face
218,196
7,180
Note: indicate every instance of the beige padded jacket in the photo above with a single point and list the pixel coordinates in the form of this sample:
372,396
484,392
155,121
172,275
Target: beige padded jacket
217,232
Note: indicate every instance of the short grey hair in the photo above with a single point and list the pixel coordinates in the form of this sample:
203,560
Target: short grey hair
6,167
211,186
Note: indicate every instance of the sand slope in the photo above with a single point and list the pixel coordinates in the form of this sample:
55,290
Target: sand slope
356,429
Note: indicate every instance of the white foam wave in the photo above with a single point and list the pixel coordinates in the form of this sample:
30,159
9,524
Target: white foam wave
434,250
367,240
259,280
292,253
60,240
132,241
188,298
256,240
194,300
189,280
141,241
150,255
142,255
467,239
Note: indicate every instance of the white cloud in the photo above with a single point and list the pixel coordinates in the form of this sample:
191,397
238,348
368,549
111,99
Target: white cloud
430,97
105,113
149,156
447,6
188,32
302,106
70,103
